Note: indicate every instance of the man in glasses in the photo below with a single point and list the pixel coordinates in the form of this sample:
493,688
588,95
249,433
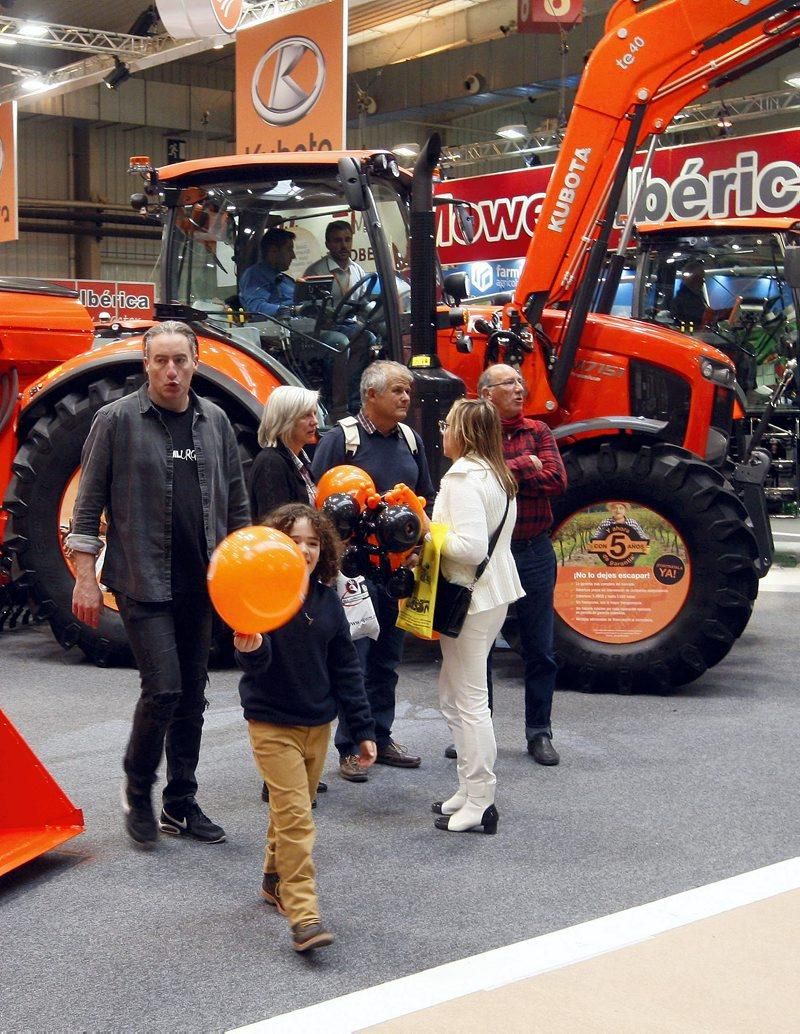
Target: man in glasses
533,457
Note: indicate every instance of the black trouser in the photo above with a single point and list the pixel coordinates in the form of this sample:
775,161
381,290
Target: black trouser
170,642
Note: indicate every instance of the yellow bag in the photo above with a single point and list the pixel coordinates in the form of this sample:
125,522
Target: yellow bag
416,612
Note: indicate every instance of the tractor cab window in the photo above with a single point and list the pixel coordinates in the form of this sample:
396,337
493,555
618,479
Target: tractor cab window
727,289
288,267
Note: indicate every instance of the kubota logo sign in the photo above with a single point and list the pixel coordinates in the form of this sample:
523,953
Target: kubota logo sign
228,13
194,19
288,81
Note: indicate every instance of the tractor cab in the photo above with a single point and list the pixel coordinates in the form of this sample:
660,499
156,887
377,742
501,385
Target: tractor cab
270,254
724,283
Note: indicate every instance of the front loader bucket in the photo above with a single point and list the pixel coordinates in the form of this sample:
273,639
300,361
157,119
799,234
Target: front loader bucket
35,814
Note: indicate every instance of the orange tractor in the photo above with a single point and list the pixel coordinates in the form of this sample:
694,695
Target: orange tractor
643,413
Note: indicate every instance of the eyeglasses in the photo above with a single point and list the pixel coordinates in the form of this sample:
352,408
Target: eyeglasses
443,425
512,382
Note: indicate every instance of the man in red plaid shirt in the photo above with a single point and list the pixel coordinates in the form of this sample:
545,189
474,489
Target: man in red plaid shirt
533,457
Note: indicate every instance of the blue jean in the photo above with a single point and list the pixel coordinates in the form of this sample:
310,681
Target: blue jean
170,642
536,564
379,660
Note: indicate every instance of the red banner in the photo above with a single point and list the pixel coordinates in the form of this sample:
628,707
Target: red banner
721,179
117,299
548,15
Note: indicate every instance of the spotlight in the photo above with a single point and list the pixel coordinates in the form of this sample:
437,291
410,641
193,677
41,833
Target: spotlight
406,150
146,21
118,74
512,132
724,124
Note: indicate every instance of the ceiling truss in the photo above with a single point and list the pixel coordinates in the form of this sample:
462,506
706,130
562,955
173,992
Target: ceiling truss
691,119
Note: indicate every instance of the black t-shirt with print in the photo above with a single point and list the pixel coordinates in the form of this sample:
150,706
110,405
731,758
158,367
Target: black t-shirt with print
189,552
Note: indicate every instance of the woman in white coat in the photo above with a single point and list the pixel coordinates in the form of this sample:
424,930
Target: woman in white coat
476,493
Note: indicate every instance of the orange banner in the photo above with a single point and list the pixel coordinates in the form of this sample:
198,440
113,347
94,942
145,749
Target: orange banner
290,82
9,222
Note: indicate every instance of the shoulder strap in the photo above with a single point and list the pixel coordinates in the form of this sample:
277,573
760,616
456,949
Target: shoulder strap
410,437
492,543
352,436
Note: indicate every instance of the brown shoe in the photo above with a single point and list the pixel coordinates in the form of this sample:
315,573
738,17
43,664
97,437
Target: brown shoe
397,755
350,769
313,935
271,891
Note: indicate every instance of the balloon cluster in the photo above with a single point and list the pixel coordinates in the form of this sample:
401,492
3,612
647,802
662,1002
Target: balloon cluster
381,531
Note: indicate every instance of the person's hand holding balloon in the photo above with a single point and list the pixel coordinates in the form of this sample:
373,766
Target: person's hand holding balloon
247,643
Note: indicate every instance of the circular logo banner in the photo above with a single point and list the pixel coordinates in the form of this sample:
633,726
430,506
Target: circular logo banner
623,572
288,80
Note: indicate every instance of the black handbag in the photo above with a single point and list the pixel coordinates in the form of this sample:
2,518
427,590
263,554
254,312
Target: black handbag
452,601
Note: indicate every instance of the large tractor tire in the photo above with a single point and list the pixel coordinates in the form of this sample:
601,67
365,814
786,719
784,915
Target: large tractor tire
39,500
716,542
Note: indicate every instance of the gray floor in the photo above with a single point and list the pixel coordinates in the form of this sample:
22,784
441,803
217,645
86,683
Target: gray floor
654,796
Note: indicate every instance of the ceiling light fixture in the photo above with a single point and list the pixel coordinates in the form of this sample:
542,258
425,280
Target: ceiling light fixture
793,80
406,150
33,30
118,74
7,40
518,132
33,84
146,21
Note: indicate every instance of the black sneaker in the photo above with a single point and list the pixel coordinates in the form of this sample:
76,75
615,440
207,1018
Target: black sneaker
140,821
190,821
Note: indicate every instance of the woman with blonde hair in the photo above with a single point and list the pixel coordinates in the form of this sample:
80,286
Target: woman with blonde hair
476,499
281,472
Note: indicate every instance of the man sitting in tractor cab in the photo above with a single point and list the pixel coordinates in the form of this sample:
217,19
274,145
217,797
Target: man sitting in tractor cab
266,289
350,296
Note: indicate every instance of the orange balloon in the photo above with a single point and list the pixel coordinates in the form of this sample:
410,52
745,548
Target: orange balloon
257,579
345,478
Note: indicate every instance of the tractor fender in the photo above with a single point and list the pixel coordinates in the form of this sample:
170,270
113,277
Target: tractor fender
640,424
246,376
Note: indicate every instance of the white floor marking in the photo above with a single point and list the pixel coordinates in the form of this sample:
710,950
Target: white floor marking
528,958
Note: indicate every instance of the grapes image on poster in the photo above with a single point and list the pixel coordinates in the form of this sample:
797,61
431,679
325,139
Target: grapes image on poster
623,572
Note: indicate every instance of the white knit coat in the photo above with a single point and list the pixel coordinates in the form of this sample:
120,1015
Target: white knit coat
471,503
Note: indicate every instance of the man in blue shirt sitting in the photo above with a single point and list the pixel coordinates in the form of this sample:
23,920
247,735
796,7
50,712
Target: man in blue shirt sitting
267,290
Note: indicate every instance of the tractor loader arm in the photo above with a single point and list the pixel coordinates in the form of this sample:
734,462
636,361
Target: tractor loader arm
653,61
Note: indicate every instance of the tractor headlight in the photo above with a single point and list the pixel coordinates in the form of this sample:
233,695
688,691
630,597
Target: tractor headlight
719,373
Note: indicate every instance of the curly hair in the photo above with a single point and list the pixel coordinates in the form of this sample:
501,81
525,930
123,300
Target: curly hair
284,517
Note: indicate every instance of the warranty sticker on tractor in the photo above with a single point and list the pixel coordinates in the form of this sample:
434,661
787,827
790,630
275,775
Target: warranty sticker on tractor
623,572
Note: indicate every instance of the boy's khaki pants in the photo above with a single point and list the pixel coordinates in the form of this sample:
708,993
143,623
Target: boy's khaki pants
290,759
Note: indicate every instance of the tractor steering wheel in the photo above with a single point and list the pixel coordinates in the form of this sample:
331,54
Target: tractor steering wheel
346,302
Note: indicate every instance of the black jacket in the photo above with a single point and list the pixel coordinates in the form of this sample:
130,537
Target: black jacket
274,480
127,470
307,669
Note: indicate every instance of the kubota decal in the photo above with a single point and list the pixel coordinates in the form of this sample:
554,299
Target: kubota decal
566,196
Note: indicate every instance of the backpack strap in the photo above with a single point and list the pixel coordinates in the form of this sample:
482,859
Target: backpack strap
410,437
352,436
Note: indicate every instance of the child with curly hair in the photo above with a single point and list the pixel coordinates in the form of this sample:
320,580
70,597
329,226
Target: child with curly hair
295,678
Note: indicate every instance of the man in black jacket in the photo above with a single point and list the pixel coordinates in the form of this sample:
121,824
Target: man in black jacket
164,466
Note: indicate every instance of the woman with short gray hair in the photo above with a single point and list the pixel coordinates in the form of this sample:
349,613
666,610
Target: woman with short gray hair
281,472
